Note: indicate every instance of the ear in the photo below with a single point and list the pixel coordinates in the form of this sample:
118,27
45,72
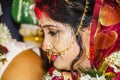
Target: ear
86,30
85,35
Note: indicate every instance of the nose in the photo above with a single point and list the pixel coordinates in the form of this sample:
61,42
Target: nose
46,45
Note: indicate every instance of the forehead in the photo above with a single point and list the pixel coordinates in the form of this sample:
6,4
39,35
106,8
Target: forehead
45,20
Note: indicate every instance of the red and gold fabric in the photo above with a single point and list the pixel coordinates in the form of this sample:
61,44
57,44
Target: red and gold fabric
105,36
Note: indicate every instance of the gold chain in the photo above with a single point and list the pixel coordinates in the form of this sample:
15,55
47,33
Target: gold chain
80,26
83,18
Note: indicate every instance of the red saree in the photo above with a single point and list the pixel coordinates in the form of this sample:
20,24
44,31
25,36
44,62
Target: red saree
105,33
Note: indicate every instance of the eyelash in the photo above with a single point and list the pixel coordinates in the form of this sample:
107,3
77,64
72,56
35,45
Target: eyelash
53,33
42,33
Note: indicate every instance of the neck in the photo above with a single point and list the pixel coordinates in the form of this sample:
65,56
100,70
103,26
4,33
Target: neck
84,61
85,35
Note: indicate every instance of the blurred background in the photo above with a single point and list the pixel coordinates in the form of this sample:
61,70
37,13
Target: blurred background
6,18
20,19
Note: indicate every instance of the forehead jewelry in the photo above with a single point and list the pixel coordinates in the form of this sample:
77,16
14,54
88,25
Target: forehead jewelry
83,18
80,26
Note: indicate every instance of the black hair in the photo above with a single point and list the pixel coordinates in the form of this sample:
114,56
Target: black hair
69,12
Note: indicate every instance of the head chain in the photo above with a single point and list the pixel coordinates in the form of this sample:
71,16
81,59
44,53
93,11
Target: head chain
83,18
77,33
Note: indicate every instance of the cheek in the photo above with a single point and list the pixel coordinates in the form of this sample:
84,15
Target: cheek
64,42
69,55
64,62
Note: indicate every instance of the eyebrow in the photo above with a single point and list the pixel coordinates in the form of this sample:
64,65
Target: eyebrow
49,26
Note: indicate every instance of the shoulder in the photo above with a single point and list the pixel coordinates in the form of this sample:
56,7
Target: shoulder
25,66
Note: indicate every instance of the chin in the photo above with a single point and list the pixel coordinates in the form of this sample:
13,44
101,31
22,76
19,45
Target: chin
61,66
58,66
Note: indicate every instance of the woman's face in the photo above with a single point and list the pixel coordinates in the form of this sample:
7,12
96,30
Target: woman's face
59,37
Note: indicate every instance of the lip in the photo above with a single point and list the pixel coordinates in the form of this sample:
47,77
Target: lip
53,57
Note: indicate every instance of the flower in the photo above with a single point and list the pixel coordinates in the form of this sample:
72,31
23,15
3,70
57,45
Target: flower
3,50
93,74
88,77
51,70
5,35
107,70
104,71
53,74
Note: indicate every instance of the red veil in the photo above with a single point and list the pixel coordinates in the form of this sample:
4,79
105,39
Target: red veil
105,31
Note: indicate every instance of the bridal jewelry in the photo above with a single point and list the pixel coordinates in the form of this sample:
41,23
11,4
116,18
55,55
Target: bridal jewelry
53,50
83,18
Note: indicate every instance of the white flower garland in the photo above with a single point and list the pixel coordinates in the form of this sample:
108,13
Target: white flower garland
0,10
88,77
83,77
48,77
5,35
115,60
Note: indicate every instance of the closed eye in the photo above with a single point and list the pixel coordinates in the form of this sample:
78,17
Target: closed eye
53,33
